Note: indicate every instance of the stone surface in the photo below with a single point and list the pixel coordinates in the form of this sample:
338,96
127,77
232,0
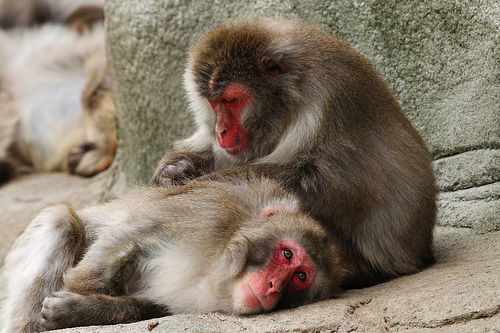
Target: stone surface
477,208
460,293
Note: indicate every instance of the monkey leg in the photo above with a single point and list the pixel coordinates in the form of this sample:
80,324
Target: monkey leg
67,309
106,266
34,268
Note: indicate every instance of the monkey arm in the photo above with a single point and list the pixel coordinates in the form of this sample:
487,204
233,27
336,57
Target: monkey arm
66,309
175,168
113,258
232,261
302,178
283,173
244,171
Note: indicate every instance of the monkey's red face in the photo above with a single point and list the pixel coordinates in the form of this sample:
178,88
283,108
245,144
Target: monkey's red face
289,270
249,86
228,109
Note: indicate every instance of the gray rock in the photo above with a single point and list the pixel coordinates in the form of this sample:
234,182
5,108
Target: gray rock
474,168
476,207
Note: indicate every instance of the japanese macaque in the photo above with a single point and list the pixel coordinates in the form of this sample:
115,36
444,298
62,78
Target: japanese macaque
241,247
26,13
289,101
56,105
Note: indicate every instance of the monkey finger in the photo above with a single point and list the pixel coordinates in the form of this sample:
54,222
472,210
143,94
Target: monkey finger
93,162
173,174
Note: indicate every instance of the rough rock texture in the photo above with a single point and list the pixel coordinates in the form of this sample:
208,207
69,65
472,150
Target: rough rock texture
460,293
440,58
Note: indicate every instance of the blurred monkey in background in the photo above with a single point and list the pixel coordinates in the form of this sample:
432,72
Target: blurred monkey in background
27,13
57,110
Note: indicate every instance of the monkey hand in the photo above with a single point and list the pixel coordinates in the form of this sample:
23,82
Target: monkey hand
176,168
62,309
87,160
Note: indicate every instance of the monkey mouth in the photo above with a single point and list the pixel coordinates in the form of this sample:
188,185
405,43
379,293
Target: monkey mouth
233,143
261,307
236,149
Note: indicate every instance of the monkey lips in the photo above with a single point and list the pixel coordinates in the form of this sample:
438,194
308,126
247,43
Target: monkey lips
228,109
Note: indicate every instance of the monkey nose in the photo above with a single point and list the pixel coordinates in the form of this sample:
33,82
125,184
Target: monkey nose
228,139
274,287
222,135
237,138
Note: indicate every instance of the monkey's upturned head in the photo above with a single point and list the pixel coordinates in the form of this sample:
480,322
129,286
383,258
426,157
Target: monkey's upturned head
290,262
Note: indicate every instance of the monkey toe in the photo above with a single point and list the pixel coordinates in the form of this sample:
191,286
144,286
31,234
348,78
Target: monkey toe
58,310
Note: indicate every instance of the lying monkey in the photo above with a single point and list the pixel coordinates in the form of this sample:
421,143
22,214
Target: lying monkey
242,247
57,109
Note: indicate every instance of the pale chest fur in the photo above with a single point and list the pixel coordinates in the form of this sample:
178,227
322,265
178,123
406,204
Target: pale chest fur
178,279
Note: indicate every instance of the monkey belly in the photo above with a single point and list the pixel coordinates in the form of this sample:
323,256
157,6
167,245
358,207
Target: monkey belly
51,123
184,286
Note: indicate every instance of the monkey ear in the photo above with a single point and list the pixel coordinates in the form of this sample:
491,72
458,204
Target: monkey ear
269,210
272,66
233,260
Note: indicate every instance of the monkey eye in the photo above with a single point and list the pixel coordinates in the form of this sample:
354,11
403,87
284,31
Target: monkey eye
302,276
272,66
287,254
229,101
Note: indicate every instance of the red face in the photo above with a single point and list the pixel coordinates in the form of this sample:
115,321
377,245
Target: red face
289,270
228,109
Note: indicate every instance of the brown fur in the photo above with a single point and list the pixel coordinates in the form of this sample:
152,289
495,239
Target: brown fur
326,127
145,255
